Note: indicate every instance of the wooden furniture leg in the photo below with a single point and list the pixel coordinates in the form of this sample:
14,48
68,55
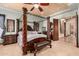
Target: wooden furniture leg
24,49
35,46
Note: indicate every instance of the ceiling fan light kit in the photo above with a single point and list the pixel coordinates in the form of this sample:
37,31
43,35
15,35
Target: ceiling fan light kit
36,5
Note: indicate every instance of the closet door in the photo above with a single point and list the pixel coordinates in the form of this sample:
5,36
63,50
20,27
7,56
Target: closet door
55,30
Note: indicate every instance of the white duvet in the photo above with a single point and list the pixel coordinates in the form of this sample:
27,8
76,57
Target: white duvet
29,37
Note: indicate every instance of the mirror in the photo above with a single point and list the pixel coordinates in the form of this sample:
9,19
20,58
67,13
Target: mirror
10,25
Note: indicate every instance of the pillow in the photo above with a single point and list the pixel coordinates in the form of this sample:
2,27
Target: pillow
31,32
28,32
34,32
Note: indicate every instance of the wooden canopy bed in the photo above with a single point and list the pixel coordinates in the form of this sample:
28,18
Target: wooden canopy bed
36,43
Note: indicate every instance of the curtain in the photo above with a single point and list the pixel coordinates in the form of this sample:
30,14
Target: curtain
1,22
2,27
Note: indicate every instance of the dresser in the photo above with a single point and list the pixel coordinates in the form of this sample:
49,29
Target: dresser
10,39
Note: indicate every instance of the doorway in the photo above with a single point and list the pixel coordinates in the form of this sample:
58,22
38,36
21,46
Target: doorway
70,30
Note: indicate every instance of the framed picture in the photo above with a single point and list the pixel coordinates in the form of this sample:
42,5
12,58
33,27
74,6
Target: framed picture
10,25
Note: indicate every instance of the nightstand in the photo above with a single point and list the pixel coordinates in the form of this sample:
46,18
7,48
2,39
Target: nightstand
10,39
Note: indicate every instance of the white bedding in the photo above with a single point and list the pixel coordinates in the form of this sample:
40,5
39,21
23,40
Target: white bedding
29,37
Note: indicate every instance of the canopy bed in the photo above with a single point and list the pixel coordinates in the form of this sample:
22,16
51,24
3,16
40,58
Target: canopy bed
31,40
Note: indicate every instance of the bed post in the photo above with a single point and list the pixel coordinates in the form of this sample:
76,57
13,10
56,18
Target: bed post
24,31
77,30
48,30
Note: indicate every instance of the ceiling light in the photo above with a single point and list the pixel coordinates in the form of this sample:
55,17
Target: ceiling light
36,5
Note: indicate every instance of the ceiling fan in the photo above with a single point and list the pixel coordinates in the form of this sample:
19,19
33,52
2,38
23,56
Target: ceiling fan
37,5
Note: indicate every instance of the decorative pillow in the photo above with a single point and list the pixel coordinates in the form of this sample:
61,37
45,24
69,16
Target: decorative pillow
31,32
34,32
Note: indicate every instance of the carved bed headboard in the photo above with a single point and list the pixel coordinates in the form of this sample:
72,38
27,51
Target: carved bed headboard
29,28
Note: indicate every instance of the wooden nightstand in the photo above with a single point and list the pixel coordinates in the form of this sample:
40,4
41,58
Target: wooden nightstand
45,32
9,39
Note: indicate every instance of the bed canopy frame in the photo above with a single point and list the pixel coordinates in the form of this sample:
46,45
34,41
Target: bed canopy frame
24,30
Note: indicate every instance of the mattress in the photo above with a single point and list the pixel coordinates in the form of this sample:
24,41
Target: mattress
29,37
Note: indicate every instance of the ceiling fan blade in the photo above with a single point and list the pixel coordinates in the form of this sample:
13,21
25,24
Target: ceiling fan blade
32,8
44,4
40,8
28,3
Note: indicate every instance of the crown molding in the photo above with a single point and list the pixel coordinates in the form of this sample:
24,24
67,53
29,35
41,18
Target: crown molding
20,12
63,12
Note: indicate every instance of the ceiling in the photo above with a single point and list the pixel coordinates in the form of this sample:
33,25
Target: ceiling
48,10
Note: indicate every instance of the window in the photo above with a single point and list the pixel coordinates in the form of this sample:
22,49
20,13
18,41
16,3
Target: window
2,21
2,26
